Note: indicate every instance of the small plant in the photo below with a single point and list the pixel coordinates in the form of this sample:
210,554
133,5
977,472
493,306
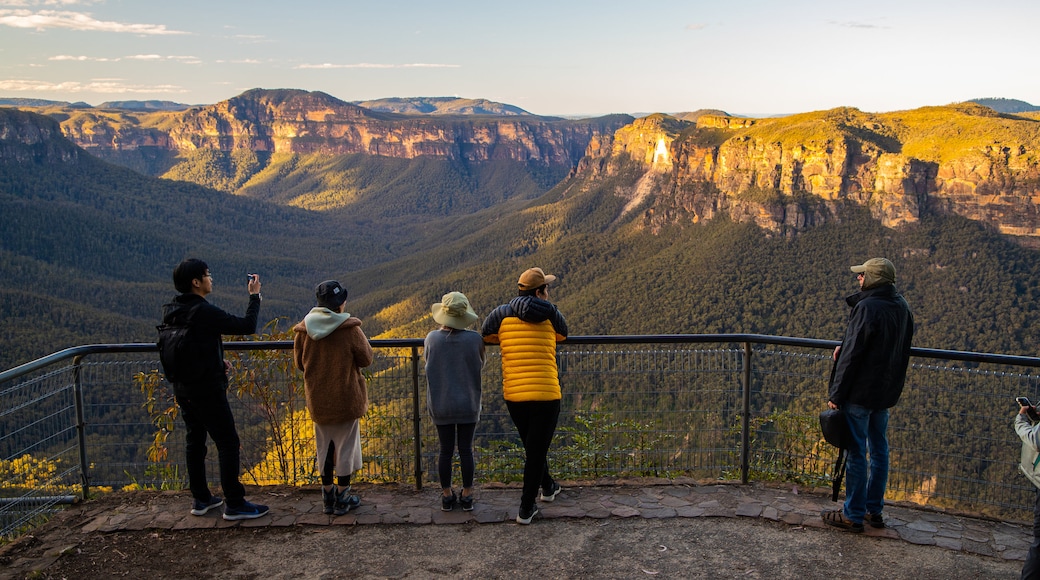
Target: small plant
163,411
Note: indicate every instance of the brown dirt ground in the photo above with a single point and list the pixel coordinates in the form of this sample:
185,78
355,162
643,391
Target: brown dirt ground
551,548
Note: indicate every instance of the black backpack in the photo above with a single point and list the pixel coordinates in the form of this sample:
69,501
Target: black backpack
180,352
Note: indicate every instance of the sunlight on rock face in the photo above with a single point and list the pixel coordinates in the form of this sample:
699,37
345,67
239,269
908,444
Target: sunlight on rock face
661,154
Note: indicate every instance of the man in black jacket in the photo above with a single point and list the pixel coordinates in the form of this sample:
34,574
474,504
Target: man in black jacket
869,371
203,400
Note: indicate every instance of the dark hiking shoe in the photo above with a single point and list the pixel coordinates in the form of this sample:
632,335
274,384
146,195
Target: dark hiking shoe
328,500
345,501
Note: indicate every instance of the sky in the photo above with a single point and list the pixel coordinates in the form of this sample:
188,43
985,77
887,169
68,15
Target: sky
580,57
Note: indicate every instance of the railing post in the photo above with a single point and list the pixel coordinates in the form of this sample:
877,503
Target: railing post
745,423
81,425
417,432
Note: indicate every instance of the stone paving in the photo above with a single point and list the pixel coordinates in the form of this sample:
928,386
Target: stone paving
497,504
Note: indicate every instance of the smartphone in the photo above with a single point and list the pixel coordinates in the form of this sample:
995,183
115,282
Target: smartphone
1031,411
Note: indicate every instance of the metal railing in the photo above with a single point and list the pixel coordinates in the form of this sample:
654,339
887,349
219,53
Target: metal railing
735,407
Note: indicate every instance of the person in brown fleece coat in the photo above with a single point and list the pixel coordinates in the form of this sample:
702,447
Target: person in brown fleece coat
330,348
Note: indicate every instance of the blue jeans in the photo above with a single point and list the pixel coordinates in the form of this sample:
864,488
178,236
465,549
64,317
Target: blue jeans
865,489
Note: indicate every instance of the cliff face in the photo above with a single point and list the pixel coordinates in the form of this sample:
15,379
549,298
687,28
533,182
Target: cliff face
28,138
292,121
789,174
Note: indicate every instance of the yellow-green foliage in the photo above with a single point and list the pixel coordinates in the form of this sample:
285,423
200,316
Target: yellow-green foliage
27,472
941,134
816,127
936,134
290,457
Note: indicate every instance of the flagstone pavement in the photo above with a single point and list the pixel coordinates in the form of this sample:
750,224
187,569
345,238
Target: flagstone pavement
497,505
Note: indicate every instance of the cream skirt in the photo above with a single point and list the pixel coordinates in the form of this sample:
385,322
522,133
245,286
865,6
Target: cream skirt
347,439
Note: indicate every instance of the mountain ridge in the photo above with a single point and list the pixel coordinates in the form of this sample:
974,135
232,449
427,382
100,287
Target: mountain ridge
69,216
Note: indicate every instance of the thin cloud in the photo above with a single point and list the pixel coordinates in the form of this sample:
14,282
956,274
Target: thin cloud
855,24
177,58
106,86
26,3
145,57
328,66
696,26
47,19
81,58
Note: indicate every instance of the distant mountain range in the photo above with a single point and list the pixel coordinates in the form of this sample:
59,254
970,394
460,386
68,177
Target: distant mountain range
437,106
1006,105
784,174
659,224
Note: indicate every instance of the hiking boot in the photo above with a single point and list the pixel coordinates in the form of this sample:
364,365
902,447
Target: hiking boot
246,511
201,508
550,496
466,501
526,515
448,502
344,501
875,520
837,519
328,500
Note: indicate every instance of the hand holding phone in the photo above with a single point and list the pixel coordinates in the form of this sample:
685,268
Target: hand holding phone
1030,409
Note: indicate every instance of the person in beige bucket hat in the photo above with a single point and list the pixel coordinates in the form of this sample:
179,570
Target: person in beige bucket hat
453,311
454,359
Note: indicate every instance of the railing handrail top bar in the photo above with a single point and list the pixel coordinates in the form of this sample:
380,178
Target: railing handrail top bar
87,349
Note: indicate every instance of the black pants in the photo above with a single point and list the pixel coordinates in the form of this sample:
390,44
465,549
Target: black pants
1031,570
536,423
206,412
447,436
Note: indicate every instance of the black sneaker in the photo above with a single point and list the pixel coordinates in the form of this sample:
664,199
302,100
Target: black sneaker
875,520
201,508
466,501
448,502
345,501
526,515
246,511
550,496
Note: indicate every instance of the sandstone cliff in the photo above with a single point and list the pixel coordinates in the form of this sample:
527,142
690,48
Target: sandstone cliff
29,138
787,174
294,121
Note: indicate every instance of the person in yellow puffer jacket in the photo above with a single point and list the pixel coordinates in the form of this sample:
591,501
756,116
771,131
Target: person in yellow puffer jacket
527,330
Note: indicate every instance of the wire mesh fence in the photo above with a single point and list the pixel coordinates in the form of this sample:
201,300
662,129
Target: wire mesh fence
631,408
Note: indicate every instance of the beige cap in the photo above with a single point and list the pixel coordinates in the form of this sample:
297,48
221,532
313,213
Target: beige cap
534,278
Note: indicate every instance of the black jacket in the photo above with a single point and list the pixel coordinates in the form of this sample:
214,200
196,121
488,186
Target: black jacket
526,308
875,352
208,323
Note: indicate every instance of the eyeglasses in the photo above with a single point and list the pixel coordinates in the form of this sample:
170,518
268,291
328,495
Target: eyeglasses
859,274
